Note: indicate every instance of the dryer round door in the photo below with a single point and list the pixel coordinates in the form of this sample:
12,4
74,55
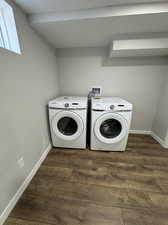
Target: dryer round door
67,125
110,128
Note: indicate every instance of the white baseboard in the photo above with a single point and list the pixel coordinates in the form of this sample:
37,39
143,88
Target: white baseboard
140,132
158,139
151,133
22,188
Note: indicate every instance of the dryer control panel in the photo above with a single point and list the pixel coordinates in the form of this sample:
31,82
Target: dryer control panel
111,104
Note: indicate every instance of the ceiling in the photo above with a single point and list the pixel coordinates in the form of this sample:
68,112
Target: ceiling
100,32
67,29
39,6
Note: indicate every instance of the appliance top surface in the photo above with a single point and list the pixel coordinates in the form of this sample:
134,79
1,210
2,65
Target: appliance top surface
70,99
106,102
110,100
69,102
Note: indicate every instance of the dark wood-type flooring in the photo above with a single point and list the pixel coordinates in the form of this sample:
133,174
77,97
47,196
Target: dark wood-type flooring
75,187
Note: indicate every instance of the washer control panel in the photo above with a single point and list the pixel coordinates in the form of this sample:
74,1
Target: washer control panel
68,103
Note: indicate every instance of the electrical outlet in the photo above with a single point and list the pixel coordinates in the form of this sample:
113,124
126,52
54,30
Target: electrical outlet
97,90
21,162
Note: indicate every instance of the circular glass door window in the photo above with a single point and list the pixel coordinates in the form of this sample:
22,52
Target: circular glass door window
110,128
67,126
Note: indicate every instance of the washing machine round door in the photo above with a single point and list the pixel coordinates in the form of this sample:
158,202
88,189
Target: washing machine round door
111,128
67,125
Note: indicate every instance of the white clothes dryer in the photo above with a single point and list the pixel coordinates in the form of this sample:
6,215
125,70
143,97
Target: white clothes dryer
110,123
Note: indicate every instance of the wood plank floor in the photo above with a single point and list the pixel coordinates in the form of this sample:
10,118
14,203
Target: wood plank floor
75,187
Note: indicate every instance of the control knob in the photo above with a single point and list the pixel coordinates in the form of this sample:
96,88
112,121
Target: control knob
66,105
112,107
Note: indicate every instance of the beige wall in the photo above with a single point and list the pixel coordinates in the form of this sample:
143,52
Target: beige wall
160,124
80,69
27,82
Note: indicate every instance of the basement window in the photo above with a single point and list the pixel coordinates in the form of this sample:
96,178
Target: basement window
8,32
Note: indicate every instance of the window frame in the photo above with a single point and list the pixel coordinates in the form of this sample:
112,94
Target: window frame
9,36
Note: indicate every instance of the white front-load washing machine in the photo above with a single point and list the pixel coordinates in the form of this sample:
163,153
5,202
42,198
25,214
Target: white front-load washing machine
67,117
110,123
